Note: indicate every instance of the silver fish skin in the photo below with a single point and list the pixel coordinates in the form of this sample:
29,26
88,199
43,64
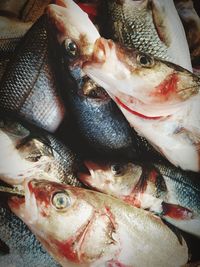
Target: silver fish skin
163,189
24,249
105,231
30,86
11,31
28,152
153,27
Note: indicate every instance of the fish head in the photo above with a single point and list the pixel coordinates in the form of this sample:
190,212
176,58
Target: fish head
22,154
143,83
73,224
116,178
72,26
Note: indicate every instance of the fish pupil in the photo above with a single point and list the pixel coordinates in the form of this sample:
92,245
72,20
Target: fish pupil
116,169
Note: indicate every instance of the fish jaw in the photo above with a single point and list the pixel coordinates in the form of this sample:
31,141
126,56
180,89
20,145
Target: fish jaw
63,16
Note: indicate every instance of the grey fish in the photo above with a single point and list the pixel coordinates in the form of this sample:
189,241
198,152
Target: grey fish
161,188
11,32
30,86
153,27
18,246
28,152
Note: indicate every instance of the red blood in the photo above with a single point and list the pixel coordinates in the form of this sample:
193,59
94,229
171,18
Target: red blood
135,112
153,176
90,9
176,212
67,249
167,87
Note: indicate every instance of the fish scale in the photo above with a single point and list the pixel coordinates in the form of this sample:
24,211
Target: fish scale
24,248
30,74
135,29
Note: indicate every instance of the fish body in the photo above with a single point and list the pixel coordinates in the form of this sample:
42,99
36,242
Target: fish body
105,231
28,152
29,86
153,27
11,31
163,189
23,248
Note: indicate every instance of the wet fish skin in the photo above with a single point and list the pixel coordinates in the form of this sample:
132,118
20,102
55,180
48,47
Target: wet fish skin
116,226
163,189
26,152
95,117
24,249
11,31
150,26
30,85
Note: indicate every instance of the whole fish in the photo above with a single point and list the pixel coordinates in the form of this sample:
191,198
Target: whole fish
191,23
151,26
18,246
159,99
80,227
163,189
30,85
28,152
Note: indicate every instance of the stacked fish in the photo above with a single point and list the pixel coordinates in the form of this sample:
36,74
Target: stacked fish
99,134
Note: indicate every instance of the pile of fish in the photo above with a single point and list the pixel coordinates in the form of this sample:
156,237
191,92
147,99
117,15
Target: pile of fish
99,133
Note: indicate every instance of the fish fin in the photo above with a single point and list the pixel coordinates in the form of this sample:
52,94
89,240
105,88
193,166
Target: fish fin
4,249
176,212
175,231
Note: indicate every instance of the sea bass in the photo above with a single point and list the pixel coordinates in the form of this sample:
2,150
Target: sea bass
151,26
18,246
30,86
163,189
96,229
28,152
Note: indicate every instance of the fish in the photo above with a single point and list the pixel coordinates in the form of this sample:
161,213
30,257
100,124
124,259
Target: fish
151,26
168,192
11,31
27,151
18,246
159,99
95,229
30,86
95,119
191,23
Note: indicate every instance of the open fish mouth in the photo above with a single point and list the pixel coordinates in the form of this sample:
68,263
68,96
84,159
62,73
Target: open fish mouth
10,190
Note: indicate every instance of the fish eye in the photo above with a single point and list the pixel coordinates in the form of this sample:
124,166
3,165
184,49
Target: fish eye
117,169
61,200
70,48
145,60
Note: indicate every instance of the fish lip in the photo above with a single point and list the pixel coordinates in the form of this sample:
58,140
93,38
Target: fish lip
11,190
124,106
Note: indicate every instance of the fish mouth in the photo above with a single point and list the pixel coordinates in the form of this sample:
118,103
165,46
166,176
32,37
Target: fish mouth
11,190
88,174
